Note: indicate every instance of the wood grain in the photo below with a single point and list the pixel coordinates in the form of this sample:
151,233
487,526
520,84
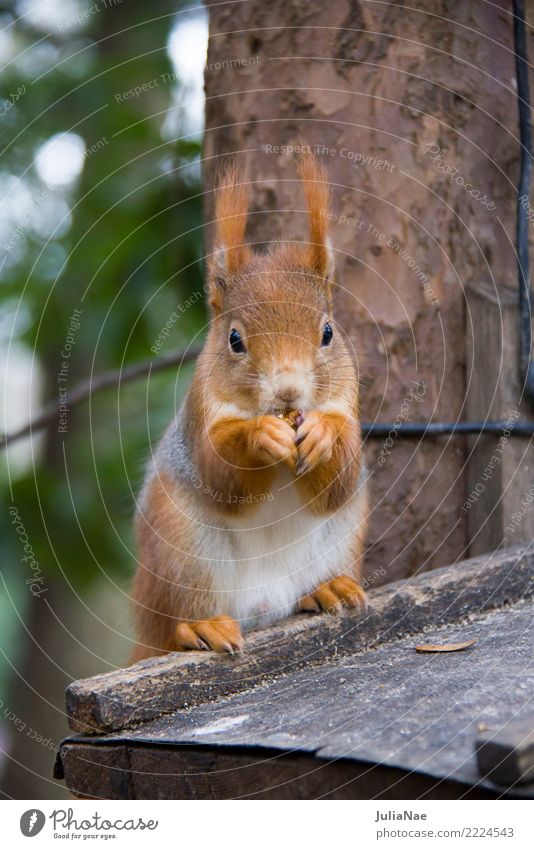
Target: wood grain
156,686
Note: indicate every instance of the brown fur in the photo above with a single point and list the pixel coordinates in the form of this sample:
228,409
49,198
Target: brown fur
318,201
334,470
231,210
235,462
333,596
162,596
279,303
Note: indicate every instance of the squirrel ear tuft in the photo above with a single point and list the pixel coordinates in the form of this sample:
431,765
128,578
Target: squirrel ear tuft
230,253
320,254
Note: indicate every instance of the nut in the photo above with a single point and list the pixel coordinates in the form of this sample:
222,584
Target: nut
292,417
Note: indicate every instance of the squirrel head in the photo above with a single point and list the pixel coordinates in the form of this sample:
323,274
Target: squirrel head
273,341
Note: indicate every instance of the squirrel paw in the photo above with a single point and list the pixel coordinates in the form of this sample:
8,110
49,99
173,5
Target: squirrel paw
333,596
315,439
273,440
219,634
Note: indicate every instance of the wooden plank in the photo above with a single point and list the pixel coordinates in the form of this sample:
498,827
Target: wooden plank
157,686
100,772
500,492
508,755
193,773
391,706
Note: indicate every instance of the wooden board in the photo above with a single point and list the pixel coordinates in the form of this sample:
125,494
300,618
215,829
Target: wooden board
169,772
157,686
388,708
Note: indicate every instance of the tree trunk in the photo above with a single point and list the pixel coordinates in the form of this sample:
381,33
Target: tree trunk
414,114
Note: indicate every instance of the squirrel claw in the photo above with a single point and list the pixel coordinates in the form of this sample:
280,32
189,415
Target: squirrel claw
301,466
334,596
220,634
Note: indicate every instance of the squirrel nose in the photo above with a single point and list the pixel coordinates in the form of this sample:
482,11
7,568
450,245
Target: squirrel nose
288,397
288,394
288,386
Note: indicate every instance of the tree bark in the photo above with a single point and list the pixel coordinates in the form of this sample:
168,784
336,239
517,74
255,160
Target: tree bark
402,105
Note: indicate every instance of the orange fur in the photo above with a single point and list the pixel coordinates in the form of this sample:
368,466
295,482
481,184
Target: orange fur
237,462
318,201
231,448
328,476
231,209
220,634
163,597
334,596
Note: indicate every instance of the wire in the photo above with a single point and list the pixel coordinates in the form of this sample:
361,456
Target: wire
526,367
410,430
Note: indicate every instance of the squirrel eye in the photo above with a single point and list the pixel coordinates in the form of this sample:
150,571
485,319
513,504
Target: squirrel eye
327,335
236,343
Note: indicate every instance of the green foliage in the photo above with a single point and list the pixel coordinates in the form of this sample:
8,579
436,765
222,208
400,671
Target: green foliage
131,255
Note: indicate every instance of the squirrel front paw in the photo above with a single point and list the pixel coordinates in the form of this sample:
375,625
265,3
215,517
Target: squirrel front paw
272,441
333,596
315,438
220,634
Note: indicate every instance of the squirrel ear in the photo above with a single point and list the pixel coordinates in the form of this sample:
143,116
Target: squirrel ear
320,254
230,252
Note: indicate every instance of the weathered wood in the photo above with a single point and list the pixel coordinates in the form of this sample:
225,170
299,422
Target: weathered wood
157,686
98,772
389,707
193,773
508,755
499,469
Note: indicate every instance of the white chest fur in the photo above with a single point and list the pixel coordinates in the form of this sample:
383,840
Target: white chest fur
261,565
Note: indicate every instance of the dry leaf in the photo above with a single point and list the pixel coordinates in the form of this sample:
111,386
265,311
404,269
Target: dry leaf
446,646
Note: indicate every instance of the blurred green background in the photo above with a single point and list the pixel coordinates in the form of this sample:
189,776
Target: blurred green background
100,187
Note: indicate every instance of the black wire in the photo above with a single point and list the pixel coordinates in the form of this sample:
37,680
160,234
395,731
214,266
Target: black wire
523,200
376,430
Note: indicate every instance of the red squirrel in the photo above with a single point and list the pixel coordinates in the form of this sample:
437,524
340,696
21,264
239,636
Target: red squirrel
255,504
